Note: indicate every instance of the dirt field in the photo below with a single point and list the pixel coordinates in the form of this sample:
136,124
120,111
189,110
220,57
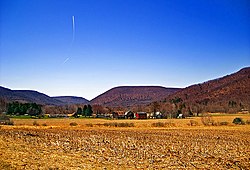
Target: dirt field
175,146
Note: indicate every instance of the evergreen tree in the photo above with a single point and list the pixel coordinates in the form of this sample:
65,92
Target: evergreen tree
78,112
10,108
84,110
89,110
32,109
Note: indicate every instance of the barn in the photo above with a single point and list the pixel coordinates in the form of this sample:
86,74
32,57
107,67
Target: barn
141,115
129,115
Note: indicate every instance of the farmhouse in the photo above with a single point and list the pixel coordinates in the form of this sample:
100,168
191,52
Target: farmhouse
141,115
118,115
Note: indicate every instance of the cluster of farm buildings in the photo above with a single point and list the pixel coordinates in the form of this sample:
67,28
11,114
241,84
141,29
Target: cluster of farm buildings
131,115
119,115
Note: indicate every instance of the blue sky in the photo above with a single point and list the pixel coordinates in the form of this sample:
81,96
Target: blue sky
172,43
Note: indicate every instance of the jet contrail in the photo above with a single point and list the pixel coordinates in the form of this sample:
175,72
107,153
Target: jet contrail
66,60
73,38
73,28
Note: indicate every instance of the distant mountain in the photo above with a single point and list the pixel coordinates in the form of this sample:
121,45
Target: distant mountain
71,99
5,92
28,96
221,91
229,91
133,95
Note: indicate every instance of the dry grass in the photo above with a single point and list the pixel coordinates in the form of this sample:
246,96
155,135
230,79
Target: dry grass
64,122
60,146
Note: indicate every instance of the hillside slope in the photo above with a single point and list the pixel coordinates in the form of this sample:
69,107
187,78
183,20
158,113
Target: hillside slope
28,96
71,99
132,95
221,91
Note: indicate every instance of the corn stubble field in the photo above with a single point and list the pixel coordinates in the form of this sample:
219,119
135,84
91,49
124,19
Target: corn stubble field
91,145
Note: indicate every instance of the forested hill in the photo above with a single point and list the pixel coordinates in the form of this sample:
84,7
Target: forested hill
71,99
225,92
133,95
28,96
39,98
231,91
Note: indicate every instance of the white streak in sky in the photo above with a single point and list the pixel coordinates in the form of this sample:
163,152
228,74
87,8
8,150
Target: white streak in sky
73,28
67,59
73,38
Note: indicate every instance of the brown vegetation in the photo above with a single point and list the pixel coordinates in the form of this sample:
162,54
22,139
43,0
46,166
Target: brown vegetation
94,147
71,100
132,95
229,94
27,96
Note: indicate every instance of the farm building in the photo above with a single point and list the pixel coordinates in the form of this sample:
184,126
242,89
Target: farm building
107,116
141,115
156,115
180,116
58,115
129,115
118,115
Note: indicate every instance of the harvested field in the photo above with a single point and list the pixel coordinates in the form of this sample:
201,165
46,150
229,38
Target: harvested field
65,122
139,147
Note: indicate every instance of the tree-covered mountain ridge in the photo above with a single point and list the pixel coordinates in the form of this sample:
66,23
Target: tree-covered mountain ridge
230,91
31,96
221,94
125,96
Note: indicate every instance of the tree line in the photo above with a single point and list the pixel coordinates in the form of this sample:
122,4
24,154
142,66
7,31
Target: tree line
169,108
31,109
86,111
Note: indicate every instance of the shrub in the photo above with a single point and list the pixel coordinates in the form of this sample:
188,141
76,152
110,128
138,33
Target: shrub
161,124
207,120
215,123
169,123
126,125
107,124
73,124
9,123
89,125
238,121
44,124
5,120
223,123
119,124
248,122
35,123
158,124
193,123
